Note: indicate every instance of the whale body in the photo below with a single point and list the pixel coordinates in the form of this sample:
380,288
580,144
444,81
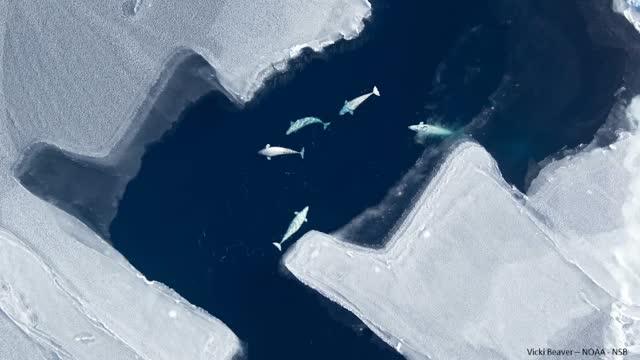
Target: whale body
294,226
427,129
306,121
272,151
351,106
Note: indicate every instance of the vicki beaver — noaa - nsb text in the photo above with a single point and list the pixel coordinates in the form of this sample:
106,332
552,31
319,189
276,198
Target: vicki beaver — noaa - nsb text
575,352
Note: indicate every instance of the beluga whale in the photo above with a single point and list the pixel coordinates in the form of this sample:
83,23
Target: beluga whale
296,224
306,121
432,130
351,106
424,131
273,151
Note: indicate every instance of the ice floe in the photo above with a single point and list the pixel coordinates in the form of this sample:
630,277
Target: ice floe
76,75
630,9
481,270
482,279
591,200
478,270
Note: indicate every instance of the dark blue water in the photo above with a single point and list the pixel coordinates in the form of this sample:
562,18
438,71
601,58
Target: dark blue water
204,209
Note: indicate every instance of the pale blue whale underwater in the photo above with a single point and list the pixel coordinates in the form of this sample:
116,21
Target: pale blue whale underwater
296,224
306,121
351,106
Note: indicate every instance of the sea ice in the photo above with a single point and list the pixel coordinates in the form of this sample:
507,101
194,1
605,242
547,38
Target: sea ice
76,74
478,270
592,202
630,9
73,283
468,274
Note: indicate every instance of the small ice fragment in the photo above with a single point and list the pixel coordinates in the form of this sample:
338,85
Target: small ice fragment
399,347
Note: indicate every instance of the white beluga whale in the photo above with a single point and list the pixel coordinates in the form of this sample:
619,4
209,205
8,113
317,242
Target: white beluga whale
296,224
273,151
300,123
430,130
351,106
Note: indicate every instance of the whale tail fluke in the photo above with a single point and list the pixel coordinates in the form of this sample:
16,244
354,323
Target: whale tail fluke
278,246
302,153
325,125
376,92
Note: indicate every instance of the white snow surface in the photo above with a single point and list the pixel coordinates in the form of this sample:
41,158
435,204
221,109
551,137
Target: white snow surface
75,74
477,270
592,203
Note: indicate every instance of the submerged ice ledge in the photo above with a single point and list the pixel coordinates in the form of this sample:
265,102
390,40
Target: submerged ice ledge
478,270
81,76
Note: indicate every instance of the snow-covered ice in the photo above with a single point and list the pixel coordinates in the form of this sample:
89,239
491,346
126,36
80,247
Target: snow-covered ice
73,294
76,74
630,9
478,270
592,202
471,273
